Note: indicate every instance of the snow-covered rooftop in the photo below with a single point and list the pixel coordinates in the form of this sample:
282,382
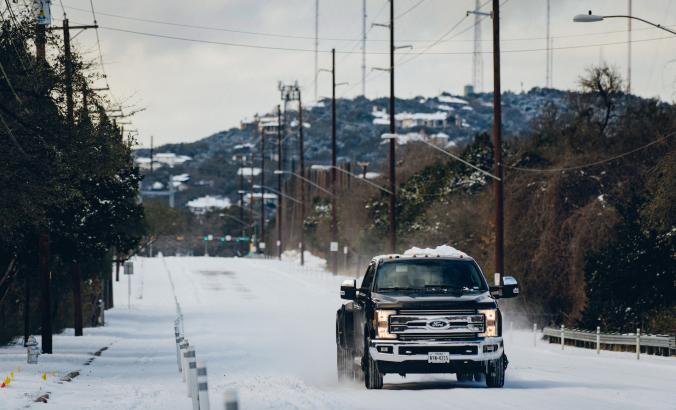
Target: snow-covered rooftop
449,99
208,202
247,172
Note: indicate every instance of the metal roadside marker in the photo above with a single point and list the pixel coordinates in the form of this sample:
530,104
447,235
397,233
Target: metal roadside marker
334,247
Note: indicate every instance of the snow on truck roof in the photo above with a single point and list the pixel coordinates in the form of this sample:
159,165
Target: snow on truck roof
442,251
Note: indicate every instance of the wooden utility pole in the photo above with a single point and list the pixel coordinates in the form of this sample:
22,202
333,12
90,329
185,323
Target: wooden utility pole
497,146
279,182
76,278
43,236
261,240
45,294
334,216
393,141
302,173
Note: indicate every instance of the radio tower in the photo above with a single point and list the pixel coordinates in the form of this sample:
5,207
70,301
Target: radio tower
548,75
477,59
316,45
363,49
629,49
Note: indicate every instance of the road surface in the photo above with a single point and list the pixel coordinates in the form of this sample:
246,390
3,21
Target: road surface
266,328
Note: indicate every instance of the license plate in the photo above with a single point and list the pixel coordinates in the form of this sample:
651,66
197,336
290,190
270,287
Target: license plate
438,357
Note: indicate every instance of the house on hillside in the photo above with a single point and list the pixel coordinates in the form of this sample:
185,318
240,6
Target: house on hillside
439,119
202,205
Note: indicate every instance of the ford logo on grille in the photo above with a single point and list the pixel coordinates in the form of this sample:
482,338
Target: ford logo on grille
437,324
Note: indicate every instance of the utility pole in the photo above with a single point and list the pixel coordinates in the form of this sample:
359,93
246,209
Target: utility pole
477,56
45,294
393,141
291,92
334,215
363,49
497,146
242,159
279,181
76,278
251,199
302,172
261,240
42,243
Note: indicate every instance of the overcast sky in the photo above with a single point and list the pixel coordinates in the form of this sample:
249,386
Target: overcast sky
192,90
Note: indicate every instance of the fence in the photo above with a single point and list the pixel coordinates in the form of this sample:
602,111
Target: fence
634,342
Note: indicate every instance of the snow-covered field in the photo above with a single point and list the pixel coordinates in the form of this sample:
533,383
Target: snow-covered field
266,328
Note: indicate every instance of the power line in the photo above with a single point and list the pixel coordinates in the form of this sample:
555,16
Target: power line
415,55
312,38
592,164
410,9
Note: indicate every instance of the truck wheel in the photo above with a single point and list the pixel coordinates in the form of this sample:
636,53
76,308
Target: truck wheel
464,377
495,373
373,379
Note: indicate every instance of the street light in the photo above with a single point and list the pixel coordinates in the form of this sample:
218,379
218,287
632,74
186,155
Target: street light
373,184
321,188
592,18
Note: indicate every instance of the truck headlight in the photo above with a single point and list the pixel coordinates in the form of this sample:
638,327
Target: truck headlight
382,319
491,316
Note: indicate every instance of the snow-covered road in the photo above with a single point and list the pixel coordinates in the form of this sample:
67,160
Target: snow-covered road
266,328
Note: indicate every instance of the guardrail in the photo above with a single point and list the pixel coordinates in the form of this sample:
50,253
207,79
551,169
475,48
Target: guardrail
661,345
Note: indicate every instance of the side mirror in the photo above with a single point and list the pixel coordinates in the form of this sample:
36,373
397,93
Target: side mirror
510,288
348,289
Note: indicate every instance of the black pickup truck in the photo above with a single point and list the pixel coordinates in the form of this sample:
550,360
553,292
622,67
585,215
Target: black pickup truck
422,314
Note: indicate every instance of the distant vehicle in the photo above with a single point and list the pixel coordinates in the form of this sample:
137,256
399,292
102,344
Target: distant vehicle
422,314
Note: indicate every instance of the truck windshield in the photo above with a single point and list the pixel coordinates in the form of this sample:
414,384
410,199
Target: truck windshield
431,275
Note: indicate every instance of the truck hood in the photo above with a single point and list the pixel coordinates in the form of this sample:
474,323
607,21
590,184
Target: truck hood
421,301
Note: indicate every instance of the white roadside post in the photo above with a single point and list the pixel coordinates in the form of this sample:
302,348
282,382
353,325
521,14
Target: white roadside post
598,339
638,344
231,400
188,366
563,337
535,334
192,385
202,386
184,349
179,340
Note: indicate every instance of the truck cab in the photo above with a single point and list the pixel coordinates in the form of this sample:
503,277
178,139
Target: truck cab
422,313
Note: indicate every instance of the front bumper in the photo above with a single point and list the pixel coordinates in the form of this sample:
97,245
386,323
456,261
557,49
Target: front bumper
461,351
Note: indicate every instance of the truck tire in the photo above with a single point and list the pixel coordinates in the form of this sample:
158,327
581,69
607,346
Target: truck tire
495,373
373,379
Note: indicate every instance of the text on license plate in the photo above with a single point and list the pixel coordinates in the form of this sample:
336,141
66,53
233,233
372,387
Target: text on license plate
438,357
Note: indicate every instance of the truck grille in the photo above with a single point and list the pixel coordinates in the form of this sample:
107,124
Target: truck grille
437,323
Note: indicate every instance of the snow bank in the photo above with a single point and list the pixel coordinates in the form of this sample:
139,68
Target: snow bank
311,261
441,250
